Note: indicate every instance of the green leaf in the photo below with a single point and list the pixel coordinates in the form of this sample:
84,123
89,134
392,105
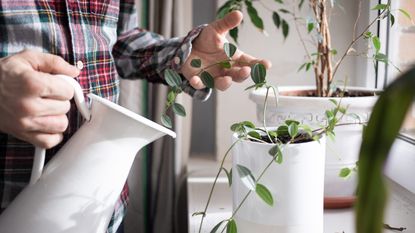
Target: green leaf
392,19
378,137
171,96
248,124
289,122
381,57
368,35
228,175
276,152
329,115
254,134
285,11
345,172
293,130
310,26
342,110
282,130
300,5
246,177
231,227
199,213
216,228
253,15
196,63
302,67
308,66
376,43
276,19
207,79
307,129
406,14
229,49
333,101
381,7
225,64
258,73
285,28
166,121
234,34
172,78
334,52
178,109
264,194
355,116
279,1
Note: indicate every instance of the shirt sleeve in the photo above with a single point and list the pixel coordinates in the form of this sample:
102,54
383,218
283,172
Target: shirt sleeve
140,54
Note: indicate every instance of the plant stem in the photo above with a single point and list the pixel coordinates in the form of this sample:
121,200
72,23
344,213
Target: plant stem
214,183
264,112
336,67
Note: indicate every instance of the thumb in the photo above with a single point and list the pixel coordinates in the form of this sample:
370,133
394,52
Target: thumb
228,22
52,64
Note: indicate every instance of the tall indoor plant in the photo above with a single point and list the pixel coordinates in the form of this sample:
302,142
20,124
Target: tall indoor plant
307,103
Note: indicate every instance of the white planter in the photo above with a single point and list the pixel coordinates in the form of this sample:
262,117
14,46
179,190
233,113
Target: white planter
297,186
343,152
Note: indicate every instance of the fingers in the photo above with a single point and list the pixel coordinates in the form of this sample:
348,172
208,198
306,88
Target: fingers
221,83
239,74
196,82
54,87
250,60
44,140
48,63
228,22
50,124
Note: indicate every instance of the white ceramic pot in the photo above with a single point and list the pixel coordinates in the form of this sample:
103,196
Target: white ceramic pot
297,186
341,153
79,187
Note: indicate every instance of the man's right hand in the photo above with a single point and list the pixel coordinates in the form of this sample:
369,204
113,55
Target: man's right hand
34,103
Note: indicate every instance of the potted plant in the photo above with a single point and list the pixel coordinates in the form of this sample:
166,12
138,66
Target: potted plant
306,103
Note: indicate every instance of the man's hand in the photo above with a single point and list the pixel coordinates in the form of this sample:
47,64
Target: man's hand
33,103
208,47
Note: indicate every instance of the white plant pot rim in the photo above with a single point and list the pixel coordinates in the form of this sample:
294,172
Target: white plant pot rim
258,96
255,143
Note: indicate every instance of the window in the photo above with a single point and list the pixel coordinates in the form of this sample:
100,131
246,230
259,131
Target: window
401,50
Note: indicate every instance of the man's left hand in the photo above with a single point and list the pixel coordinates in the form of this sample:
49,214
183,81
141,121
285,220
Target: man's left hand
208,47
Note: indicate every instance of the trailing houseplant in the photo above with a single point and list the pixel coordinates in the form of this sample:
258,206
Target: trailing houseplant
284,140
306,103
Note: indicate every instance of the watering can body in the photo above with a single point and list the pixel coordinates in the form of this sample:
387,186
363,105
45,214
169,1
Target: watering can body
79,187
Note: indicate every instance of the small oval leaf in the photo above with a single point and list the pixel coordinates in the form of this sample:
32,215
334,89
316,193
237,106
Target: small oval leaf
258,73
166,121
172,78
293,130
264,194
207,79
277,19
179,109
216,228
196,63
246,177
229,49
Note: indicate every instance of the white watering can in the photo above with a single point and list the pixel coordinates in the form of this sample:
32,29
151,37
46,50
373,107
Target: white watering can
79,187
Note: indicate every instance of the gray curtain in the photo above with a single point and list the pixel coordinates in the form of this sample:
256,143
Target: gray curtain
167,159
158,202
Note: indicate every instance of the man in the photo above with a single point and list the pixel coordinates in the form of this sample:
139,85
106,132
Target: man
87,40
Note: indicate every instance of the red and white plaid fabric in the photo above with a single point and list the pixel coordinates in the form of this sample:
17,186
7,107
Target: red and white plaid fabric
103,34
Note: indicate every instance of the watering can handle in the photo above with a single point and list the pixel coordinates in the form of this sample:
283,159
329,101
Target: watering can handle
39,157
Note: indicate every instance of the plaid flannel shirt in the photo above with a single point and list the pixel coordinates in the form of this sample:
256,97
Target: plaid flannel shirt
103,35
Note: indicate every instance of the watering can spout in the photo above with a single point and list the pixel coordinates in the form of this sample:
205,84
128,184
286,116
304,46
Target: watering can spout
77,190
